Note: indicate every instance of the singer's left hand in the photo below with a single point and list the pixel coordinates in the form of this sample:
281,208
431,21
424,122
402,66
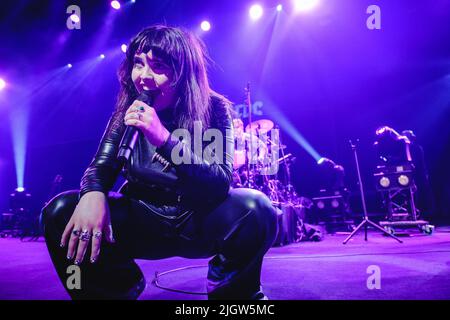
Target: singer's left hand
145,118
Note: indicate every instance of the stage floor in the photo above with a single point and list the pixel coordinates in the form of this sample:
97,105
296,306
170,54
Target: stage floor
417,269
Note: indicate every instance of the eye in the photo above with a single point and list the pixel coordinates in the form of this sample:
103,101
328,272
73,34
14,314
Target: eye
137,62
159,66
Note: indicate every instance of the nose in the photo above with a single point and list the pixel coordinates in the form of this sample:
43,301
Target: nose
146,74
146,77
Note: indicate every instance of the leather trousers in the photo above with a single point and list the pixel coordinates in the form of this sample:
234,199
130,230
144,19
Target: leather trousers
236,234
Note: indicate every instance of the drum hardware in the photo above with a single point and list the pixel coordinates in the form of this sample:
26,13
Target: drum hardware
287,158
251,164
253,175
250,173
272,143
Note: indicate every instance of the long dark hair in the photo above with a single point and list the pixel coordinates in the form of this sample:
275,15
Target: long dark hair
186,55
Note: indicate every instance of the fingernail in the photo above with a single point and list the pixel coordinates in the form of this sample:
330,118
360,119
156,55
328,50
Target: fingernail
61,245
77,262
93,260
68,257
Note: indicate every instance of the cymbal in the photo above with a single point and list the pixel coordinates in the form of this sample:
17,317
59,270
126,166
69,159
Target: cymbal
260,126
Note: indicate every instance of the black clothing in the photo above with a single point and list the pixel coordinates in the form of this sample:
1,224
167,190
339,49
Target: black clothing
237,233
168,209
204,181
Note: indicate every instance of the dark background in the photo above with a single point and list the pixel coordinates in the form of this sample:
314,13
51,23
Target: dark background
324,71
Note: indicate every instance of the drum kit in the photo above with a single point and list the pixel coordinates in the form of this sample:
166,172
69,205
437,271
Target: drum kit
254,153
251,162
259,156
261,163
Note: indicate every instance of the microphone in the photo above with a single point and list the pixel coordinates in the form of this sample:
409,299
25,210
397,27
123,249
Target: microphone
131,134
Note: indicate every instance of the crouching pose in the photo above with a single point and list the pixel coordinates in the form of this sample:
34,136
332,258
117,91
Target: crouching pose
166,207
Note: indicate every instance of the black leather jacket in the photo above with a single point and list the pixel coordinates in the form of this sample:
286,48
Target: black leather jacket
151,171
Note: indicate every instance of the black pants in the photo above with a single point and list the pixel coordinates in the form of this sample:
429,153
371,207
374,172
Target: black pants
237,233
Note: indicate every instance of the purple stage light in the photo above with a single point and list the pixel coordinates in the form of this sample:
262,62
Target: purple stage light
2,84
75,18
279,7
304,5
69,65
115,4
102,56
20,189
292,131
19,125
123,47
255,12
205,25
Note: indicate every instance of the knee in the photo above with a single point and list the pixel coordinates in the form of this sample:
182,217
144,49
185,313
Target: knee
258,203
59,209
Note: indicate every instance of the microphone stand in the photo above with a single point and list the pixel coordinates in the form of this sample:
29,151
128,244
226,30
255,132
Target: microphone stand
366,220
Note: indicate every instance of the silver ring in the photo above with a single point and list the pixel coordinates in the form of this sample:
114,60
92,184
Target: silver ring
76,233
85,235
98,234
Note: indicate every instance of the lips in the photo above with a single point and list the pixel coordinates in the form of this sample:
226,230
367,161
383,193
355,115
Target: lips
147,88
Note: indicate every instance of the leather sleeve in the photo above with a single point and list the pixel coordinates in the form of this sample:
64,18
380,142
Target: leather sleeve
104,168
200,181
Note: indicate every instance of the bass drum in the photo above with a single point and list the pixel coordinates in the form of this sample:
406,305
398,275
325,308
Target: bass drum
259,181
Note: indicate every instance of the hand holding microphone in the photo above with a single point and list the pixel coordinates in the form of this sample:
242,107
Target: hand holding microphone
140,116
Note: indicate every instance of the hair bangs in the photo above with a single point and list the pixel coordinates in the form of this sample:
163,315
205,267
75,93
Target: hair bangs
164,45
186,55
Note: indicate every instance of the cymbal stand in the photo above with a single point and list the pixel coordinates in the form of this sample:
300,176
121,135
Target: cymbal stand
250,177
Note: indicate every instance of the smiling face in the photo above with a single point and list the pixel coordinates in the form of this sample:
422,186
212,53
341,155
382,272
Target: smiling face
151,73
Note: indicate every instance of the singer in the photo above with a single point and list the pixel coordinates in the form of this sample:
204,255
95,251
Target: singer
163,209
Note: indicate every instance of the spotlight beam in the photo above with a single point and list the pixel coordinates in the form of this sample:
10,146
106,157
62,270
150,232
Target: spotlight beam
288,127
19,125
